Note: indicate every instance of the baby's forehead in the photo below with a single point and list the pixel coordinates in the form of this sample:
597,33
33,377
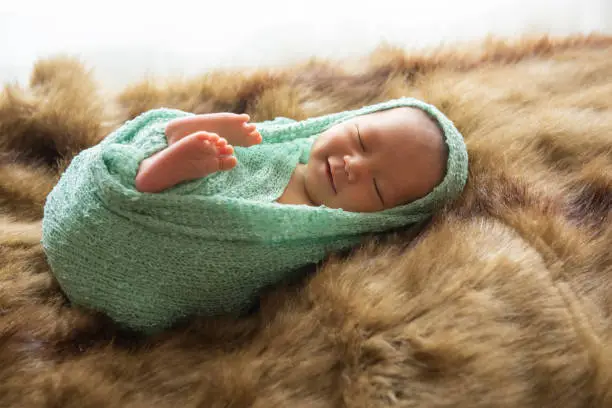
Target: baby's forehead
402,115
428,122
416,123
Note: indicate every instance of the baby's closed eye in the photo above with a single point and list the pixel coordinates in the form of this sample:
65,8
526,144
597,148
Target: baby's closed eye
374,183
378,192
359,139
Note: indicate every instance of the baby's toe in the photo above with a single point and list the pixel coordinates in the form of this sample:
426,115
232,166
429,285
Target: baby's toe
248,127
225,150
207,136
222,142
227,163
255,137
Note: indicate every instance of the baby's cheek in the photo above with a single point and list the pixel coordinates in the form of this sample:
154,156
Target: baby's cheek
356,199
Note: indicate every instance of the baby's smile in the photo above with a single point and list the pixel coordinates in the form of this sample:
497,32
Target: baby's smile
330,175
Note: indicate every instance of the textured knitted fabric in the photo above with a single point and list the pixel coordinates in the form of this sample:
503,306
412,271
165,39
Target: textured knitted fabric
208,246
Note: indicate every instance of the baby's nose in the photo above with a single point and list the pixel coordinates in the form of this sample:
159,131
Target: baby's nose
355,167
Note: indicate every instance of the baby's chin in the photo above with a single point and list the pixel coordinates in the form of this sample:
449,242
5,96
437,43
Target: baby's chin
311,188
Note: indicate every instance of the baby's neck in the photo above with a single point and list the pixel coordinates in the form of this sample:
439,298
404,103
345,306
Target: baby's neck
295,192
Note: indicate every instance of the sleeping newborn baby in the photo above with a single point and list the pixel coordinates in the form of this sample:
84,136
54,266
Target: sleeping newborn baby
176,214
367,163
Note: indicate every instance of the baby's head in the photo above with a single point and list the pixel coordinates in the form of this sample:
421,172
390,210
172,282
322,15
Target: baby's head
377,161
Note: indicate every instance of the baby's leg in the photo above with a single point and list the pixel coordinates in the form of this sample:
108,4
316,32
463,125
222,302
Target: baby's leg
191,157
230,126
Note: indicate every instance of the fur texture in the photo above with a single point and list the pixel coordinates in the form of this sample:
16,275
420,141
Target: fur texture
503,300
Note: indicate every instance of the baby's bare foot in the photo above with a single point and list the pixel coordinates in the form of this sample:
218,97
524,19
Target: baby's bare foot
192,157
232,127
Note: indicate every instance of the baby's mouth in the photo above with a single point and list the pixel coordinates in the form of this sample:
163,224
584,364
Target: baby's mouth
330,175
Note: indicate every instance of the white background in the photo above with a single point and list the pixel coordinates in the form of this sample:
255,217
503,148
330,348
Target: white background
124,40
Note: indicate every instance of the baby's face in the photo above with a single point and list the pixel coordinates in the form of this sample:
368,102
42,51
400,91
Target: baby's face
376,161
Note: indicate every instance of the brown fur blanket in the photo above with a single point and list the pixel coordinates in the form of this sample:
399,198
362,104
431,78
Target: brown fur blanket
503,300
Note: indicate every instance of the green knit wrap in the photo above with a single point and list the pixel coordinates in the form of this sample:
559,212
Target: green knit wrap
209,246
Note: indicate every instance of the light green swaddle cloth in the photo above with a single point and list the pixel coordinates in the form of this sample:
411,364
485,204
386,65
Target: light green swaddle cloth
209,246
